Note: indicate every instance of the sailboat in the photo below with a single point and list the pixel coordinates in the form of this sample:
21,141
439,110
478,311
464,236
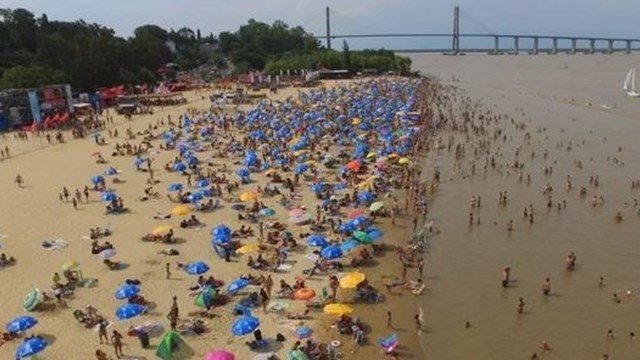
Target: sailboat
630,83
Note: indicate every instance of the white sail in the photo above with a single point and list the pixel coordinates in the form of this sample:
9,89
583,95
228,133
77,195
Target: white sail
627,80
633,81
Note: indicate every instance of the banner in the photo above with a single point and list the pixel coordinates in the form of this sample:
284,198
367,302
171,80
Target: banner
35,107
67,89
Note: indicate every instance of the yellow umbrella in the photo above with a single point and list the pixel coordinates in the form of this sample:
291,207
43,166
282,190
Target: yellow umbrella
404,161
393,156
161,230
311,163
363,185
337,309
356,121
181,210
248,196
70,265
371,155
351,280
249,248
300,152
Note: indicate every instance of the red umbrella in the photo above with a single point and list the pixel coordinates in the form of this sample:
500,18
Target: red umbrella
354,213
354,165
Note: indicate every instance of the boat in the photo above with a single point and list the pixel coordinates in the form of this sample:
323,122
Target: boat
630,83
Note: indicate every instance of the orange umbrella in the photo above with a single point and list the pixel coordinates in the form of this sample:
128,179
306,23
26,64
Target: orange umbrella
354,213
354,165
304,294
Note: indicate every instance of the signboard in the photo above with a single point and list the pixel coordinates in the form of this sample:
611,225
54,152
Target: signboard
67,89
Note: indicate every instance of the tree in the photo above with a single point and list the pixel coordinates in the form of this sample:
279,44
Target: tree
346,55
31,76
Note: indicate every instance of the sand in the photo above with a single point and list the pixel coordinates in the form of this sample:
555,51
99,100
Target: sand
34,213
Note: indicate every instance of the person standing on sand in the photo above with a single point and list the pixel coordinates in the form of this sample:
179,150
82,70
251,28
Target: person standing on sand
546,287
421,266
168,271
333,285
268,285
520,306
389,324
102,332
116,340
19,180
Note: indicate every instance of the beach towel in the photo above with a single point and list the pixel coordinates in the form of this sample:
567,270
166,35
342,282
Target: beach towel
56,244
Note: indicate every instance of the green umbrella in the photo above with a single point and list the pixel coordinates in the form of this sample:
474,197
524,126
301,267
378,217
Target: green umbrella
205,297
32,300
362,237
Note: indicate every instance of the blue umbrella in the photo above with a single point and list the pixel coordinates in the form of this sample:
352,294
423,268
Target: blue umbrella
179,167
243,173
30,347
331,252
175,187
203,183
97,179
195,197
317,240
349,245
236,285
301,168
128,311
126,291
221,230
303,332
21,323
245,325
196,268
138,161
347,227
109,196
111,171
360,220
375,234
267,212
221,239
366,197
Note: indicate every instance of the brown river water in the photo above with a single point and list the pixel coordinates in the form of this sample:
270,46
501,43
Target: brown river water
465,262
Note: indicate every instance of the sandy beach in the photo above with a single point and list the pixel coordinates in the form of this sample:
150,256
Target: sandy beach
35,213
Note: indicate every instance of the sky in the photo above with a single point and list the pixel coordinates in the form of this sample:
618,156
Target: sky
615,18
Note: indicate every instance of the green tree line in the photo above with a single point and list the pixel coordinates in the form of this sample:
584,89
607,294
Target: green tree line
35,51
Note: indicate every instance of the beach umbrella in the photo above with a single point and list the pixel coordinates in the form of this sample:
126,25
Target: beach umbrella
181,210
30,347
221,230
266,212
243,172
351,280
179,167
376,206
296,212
196,268
249,196
126,291
175,187
107,254
21,323
195,197
138,161
347,227
245,325
70,265
161,230
128,311
202,183
349,245
354,165
219,355
301,168
296,355
300,219
366,197
205,298
337,309
303,332
304,294
31,300
331,252
362,237
375,234
249,248
237,285
109,196
111,171
97,179
353,213
404,161
317,240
